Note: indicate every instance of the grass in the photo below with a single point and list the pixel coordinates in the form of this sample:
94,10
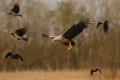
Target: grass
56,75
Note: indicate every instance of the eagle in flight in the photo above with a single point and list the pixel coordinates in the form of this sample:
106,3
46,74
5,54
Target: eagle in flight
68,35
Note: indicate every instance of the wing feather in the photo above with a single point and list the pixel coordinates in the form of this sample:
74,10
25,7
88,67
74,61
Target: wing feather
75,29
8,55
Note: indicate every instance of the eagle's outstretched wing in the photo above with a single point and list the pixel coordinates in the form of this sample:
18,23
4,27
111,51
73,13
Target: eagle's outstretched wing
75,29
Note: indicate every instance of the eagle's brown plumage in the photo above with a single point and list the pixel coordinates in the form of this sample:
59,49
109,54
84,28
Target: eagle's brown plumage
67,36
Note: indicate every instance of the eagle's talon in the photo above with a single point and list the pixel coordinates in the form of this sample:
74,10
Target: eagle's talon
69,47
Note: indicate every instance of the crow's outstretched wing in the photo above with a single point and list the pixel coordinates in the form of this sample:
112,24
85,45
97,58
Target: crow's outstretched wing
75,29
8,54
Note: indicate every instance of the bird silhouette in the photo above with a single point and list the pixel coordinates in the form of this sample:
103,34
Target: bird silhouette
12,55
67,36
15,10
20,34
105,25
95,70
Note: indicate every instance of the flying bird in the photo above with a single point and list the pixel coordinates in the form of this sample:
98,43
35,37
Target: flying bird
99,23
20,34
15,10
68,35
95,70
12,55
105,25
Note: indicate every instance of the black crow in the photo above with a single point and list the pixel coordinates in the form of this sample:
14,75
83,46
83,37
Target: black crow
15,10
12,55
95,70
20,34
105,25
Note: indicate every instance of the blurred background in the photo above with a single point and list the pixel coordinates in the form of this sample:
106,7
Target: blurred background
94,47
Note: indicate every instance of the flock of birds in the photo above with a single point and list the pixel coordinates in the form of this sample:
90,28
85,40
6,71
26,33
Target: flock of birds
19,33
66,37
